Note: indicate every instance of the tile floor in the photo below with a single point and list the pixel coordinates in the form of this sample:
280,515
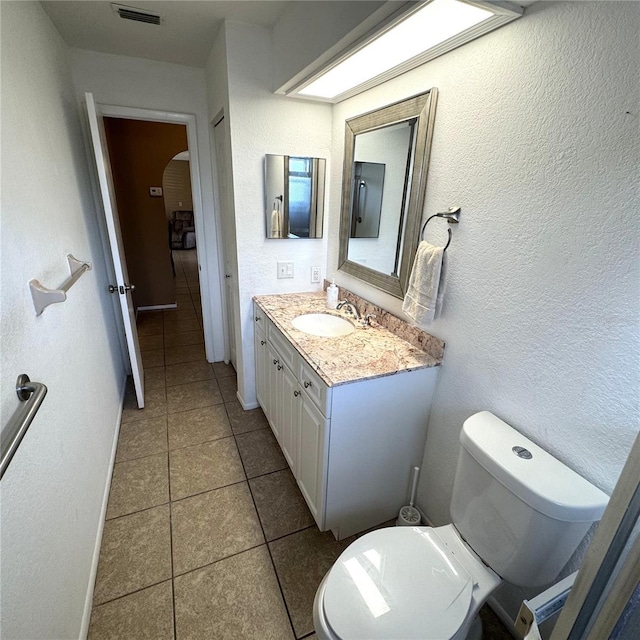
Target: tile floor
206,532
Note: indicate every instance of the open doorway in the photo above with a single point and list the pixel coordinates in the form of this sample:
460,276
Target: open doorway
152,183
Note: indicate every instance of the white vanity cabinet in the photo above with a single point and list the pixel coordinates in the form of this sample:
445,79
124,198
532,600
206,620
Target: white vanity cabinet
351,447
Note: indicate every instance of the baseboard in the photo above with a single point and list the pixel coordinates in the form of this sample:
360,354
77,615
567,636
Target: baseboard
158,307
88,604
246,405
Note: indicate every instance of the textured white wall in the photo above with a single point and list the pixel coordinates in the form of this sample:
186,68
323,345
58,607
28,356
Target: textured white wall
53,491
536,138
261,123
146,84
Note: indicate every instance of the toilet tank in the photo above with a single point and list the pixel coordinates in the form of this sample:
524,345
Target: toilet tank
520,509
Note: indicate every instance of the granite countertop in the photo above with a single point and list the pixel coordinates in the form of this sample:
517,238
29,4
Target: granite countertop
370,352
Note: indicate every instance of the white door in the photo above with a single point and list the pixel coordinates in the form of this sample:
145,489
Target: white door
223,156
261,367
312,431
122,284
290,401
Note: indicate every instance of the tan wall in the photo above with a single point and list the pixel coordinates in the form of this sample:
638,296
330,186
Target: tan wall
139,153
176,187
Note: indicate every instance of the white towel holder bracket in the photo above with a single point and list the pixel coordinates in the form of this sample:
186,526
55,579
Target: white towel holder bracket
43,297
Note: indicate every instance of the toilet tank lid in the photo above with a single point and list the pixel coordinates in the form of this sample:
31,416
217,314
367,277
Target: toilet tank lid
540,480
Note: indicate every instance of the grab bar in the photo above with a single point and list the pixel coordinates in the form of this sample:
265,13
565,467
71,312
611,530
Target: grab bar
43,297
31,394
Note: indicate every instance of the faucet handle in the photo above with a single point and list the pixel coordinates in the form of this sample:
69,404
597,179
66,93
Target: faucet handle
367,319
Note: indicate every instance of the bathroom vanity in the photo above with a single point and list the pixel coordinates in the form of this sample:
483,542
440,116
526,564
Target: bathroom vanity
350,413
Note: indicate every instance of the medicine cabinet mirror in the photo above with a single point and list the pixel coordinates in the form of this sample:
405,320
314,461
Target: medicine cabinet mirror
386,158
294,196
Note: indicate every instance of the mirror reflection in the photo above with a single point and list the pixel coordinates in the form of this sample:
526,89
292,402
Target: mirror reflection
386,156
382,170
294,196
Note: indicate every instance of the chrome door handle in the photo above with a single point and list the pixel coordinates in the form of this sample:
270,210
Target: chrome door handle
227,275
276,361
122,290
279,367
296,393
307,384
263,342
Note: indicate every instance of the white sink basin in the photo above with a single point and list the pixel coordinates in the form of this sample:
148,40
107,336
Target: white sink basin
323,324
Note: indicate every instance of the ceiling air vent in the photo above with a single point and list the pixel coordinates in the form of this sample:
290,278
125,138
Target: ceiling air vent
133,13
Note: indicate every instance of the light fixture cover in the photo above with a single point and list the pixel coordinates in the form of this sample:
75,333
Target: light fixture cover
432,29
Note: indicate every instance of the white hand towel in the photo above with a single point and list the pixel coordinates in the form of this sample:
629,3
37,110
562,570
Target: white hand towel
276,224
422,298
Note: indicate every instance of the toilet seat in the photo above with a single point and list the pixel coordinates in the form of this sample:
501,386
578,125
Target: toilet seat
397,583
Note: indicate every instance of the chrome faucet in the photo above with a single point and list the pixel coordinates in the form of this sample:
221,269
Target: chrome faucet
349,308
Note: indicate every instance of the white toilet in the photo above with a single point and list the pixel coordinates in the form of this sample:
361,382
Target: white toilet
518,515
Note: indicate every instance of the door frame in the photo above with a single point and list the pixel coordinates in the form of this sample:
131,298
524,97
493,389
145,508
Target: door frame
188,119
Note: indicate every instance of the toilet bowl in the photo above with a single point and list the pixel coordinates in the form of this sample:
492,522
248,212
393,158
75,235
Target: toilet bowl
405,582
518,515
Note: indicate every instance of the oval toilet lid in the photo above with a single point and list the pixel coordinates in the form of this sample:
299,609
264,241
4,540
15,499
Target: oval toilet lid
399,582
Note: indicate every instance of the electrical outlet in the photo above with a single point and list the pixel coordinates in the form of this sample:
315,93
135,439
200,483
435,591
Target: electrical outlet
315,274
285,270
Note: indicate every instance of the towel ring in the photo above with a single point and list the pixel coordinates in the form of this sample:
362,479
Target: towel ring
452,216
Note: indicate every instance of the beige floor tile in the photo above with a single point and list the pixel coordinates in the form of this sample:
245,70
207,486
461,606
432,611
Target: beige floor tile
234,598
142,438
152,357
203,467
154,378
155,405
178,315
188,372
138,484
150,323
183,339
135,553
281,507
260,453
301,560
212,526
228,388
223,370
180,326
183,301
193,396
243,421
187,353
151,342
144,615
187,428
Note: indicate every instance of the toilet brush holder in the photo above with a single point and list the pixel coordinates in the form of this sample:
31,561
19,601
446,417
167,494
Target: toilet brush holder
409,516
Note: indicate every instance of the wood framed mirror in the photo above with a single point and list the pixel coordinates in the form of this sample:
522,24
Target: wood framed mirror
397,140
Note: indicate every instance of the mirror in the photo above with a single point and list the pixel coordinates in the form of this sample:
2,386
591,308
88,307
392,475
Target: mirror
294,196
386,158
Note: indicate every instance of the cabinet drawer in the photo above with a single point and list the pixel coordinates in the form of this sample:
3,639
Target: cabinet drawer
259,317
315,388
287,352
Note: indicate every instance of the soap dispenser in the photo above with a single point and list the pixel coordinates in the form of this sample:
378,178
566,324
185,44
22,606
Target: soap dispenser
332,295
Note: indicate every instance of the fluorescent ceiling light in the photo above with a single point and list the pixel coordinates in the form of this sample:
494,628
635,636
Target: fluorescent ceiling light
423,30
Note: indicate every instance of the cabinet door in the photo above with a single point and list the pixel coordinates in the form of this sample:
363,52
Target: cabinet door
261,368
273,390
290,402
312,457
